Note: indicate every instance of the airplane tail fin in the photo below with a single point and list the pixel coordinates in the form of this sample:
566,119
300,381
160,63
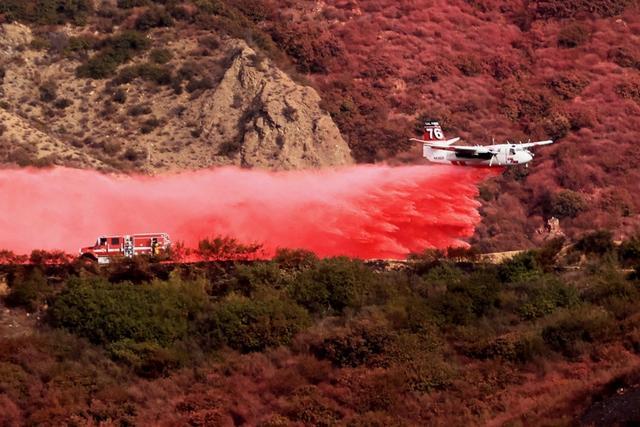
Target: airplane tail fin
433,135
433,131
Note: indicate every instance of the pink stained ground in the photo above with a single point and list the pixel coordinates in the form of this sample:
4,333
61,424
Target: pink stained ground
359,211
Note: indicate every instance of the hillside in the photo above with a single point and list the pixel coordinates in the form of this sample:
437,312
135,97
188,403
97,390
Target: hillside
183,98
165,86
487,70
297,340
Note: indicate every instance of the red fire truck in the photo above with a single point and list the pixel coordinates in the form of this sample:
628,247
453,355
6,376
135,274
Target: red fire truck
108,247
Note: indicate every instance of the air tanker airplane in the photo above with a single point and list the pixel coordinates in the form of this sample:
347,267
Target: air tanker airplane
437,149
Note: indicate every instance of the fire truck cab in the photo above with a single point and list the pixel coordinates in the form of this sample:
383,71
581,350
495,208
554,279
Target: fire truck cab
107,248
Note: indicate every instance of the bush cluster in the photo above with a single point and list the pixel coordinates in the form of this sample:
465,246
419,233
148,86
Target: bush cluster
554,9
158,74
625,57
153,17
47,12
573,35
113,52
301,323
576,328
252,324
564,204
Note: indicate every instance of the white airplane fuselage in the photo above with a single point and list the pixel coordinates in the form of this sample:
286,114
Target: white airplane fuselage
498,155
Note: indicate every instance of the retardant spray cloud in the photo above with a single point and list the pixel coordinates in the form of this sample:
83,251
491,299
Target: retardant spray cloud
360,211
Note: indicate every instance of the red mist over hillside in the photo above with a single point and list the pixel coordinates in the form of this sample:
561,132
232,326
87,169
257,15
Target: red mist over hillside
362,211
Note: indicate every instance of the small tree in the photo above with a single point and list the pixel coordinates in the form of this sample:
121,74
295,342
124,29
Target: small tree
48,91
564,204
30,291
599,242
227,248
573,35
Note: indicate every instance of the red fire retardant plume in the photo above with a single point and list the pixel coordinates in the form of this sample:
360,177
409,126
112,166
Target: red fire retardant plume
360,211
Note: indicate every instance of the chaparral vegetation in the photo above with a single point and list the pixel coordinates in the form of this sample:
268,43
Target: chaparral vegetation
443,338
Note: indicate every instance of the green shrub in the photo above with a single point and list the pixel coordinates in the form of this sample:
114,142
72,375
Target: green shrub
556,125
48,91
442,275
564,204
332,285
575,328
119,96
152,18
598,242
47,12
624,57
555,9
226,248
426,260
105,312
147,358
573,35
424,375
520,268
629,251
113,52
546,296
295,259
149,125
249,325
81,44
360,344
475,296
62,103
248,278
612,291
160,56
547,254
100,66
30,291
469,65
158,74
139,110
132,154
630,88
511,348
200,84
129,4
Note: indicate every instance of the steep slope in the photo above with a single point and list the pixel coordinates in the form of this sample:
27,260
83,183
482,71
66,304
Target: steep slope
261,118
486,69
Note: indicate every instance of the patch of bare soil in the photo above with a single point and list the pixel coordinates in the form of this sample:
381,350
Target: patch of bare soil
16,323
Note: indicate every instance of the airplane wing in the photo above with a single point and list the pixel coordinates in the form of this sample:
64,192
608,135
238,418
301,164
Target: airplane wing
534,144
461,148
444,143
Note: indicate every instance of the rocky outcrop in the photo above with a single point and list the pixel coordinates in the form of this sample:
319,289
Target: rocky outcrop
259,117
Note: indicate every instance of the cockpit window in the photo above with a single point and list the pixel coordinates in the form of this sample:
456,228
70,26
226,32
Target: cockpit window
102,241
512,151
115,240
